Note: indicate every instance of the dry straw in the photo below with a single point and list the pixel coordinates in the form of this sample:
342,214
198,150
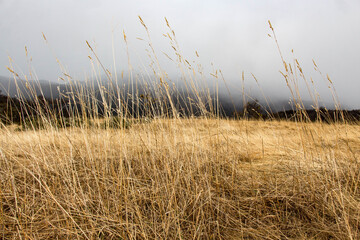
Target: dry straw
94,174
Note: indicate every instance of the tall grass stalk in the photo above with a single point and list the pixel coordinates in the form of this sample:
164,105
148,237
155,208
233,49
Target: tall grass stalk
109,160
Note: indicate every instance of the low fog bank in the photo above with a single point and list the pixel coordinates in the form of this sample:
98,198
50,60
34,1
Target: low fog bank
231,98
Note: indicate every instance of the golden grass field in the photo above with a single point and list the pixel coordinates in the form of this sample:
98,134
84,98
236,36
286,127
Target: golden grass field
191,178
172,177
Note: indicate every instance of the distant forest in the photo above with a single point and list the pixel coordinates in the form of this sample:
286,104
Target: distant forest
14,110
63,101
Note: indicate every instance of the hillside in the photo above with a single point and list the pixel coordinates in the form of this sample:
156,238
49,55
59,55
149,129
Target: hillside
48,89
136,103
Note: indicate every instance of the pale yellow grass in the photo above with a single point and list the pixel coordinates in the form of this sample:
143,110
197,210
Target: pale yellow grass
182,179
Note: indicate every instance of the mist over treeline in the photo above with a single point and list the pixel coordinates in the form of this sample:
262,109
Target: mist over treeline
227,93
139,97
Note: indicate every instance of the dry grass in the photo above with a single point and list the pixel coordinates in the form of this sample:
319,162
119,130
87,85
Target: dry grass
182,179
178,178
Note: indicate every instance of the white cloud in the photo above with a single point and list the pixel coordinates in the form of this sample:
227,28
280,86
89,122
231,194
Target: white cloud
232,34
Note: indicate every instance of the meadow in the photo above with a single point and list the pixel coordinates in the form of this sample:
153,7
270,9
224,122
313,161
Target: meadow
165,175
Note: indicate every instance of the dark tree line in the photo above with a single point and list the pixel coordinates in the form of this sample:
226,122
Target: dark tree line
14,110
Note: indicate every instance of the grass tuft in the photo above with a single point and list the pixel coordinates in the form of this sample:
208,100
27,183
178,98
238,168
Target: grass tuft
110,163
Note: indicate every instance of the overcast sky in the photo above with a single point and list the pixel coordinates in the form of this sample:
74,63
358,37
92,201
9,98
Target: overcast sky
232,34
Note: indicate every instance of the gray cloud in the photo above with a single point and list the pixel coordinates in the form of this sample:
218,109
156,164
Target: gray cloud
231,34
